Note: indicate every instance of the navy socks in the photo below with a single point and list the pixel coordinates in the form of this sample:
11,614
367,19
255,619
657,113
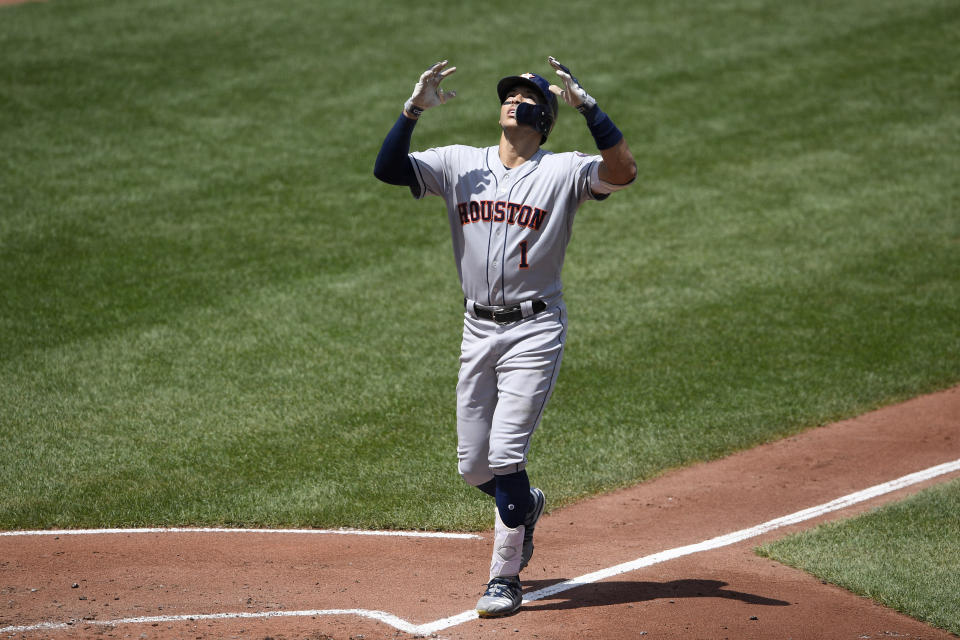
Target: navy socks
489,487
512,493
513,497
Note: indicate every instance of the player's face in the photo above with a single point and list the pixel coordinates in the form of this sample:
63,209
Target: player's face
508,110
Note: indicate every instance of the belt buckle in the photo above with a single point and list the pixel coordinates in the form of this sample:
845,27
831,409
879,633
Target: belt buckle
506,313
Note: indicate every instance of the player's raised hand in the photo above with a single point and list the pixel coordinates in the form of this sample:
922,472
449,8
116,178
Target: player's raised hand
427,92
572,93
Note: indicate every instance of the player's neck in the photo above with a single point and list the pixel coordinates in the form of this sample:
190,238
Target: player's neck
517,149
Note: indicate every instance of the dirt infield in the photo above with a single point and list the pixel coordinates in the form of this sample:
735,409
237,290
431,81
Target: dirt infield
319,586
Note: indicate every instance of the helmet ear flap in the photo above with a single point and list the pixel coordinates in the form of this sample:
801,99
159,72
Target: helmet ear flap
537,116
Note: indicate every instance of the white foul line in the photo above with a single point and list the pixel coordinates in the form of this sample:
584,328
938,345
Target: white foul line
381,616
342,532
466,616
752,532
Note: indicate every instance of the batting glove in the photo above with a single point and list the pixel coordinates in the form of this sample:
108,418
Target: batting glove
427,92
572,93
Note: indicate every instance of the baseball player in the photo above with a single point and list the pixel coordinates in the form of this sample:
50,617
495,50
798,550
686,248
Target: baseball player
511,208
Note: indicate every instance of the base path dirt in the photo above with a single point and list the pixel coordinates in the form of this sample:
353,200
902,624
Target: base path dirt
321,586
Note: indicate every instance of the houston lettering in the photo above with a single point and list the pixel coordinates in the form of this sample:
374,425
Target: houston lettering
522,215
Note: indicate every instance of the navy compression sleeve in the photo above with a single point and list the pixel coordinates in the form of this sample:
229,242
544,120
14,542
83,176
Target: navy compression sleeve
393,164
605,133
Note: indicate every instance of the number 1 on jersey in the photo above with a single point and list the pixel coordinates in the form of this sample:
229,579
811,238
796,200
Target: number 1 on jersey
523,255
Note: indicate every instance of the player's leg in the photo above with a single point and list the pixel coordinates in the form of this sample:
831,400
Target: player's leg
526,383
527,373
476,402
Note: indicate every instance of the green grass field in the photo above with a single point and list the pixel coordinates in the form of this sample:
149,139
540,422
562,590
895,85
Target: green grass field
212,313
904,556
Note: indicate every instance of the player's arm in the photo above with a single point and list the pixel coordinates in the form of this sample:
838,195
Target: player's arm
393,164
618,167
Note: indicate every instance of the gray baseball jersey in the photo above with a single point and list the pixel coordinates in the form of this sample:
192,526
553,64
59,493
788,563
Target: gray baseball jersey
510,227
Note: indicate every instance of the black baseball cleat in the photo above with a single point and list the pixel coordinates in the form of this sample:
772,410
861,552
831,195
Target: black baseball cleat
537,502
502,597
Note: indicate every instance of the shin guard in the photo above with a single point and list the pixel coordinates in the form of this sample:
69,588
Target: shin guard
507,550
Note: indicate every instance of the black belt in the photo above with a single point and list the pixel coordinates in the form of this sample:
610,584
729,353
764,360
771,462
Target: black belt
505,315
